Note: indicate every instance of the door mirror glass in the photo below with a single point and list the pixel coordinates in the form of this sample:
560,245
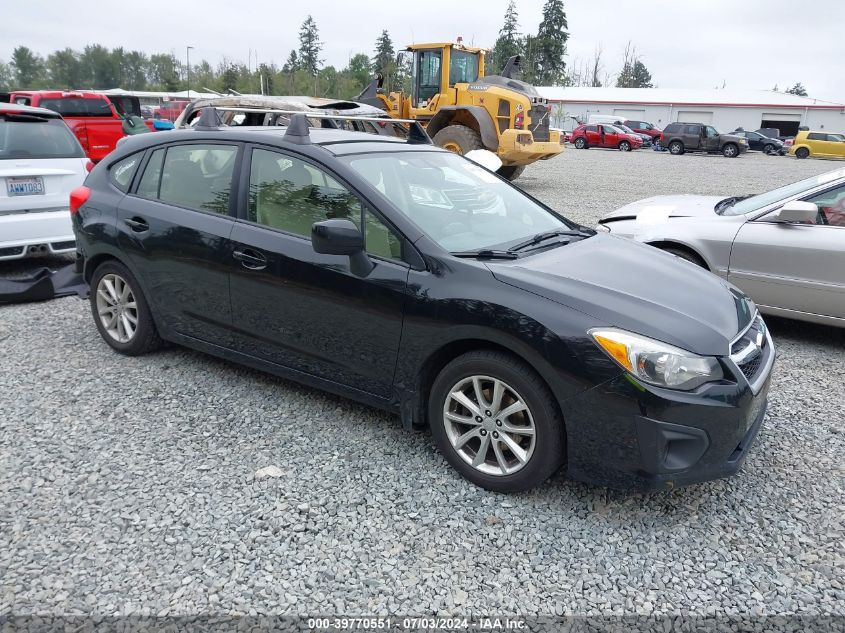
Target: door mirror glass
338,236
797,211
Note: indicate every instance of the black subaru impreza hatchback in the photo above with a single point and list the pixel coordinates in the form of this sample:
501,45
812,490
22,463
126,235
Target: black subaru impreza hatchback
412,279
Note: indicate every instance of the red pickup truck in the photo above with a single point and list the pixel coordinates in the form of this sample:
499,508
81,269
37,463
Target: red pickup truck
95,120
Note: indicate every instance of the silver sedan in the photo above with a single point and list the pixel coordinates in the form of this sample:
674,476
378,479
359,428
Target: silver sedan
784,248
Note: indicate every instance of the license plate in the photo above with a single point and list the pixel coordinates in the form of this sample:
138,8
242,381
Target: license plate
25,186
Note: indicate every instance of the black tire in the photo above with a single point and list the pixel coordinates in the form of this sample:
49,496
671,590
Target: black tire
768,148
730,150
465,138
685,254
548,444
802,152
580,143
511,173
676,148
625,146
145,337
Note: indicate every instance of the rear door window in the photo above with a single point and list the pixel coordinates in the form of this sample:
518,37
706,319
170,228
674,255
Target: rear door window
695,130
195,176
26,136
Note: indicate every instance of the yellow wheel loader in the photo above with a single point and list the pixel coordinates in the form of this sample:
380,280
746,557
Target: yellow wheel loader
463,109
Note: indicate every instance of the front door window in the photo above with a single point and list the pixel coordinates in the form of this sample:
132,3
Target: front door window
428,70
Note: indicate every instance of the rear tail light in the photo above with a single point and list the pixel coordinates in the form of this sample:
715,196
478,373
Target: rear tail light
518,120
78,197
89,166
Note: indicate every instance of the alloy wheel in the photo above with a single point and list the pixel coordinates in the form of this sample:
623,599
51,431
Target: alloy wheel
117,308
489,425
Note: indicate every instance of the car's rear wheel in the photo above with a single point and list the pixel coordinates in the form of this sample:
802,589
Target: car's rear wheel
625,146
730,150
580,143
495,421
676,148
512,172
802,152
120,310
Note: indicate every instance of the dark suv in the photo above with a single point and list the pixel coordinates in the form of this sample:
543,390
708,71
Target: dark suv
698,137
413,279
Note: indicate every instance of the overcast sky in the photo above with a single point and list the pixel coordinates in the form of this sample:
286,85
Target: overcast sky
685,44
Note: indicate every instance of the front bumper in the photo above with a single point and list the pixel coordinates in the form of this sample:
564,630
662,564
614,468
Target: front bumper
518,147
631,436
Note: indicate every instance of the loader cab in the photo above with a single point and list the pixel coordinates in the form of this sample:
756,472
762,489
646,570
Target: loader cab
435,71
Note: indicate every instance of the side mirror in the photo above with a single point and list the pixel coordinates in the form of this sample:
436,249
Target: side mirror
797,211
340,236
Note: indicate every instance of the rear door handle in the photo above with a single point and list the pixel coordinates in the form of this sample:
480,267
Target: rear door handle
251,259
139,225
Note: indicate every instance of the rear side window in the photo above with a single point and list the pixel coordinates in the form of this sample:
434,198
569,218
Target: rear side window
33,137
192,176
77,107
591,128
121,173
672,128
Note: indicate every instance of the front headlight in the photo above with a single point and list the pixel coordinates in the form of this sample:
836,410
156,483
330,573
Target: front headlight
657,363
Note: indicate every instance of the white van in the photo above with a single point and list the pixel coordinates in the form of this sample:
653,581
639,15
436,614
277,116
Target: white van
611,119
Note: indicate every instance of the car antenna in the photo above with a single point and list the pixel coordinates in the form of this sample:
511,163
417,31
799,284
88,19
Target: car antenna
298,130
209,119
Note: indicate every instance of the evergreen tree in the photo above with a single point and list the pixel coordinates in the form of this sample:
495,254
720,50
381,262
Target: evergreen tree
229,77
309,47
531,59
359,70
508,43
798,89
29,69
634,75
164,72
133,67
6,76
65,69
384,59
551,44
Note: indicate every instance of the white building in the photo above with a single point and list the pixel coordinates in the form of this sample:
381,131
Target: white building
725,109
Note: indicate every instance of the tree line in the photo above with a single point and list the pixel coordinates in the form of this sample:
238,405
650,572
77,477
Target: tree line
97,67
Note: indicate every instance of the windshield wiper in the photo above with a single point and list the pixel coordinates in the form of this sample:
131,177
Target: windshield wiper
727,203
547,235
487,253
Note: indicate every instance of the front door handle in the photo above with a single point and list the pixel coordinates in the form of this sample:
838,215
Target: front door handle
251,259
139,225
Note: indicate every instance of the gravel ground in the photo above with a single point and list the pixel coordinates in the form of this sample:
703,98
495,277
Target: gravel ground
129,486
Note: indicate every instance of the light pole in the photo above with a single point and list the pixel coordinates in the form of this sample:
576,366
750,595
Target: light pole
188,62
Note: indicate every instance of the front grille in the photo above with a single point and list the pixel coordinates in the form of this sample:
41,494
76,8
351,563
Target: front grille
63,246
540,122
11,251
751,351
751,365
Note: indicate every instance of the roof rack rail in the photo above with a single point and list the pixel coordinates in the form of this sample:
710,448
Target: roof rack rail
298,130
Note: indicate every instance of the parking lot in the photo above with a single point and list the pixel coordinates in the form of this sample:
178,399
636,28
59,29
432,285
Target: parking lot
128,485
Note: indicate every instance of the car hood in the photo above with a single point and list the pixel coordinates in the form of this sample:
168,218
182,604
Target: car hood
662,207
637,288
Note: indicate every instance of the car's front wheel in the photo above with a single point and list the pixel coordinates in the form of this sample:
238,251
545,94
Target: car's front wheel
495,421
802,152
730,150
625,146
120,310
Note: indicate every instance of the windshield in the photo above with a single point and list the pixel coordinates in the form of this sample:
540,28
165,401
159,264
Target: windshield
755,203
32,137
460,205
